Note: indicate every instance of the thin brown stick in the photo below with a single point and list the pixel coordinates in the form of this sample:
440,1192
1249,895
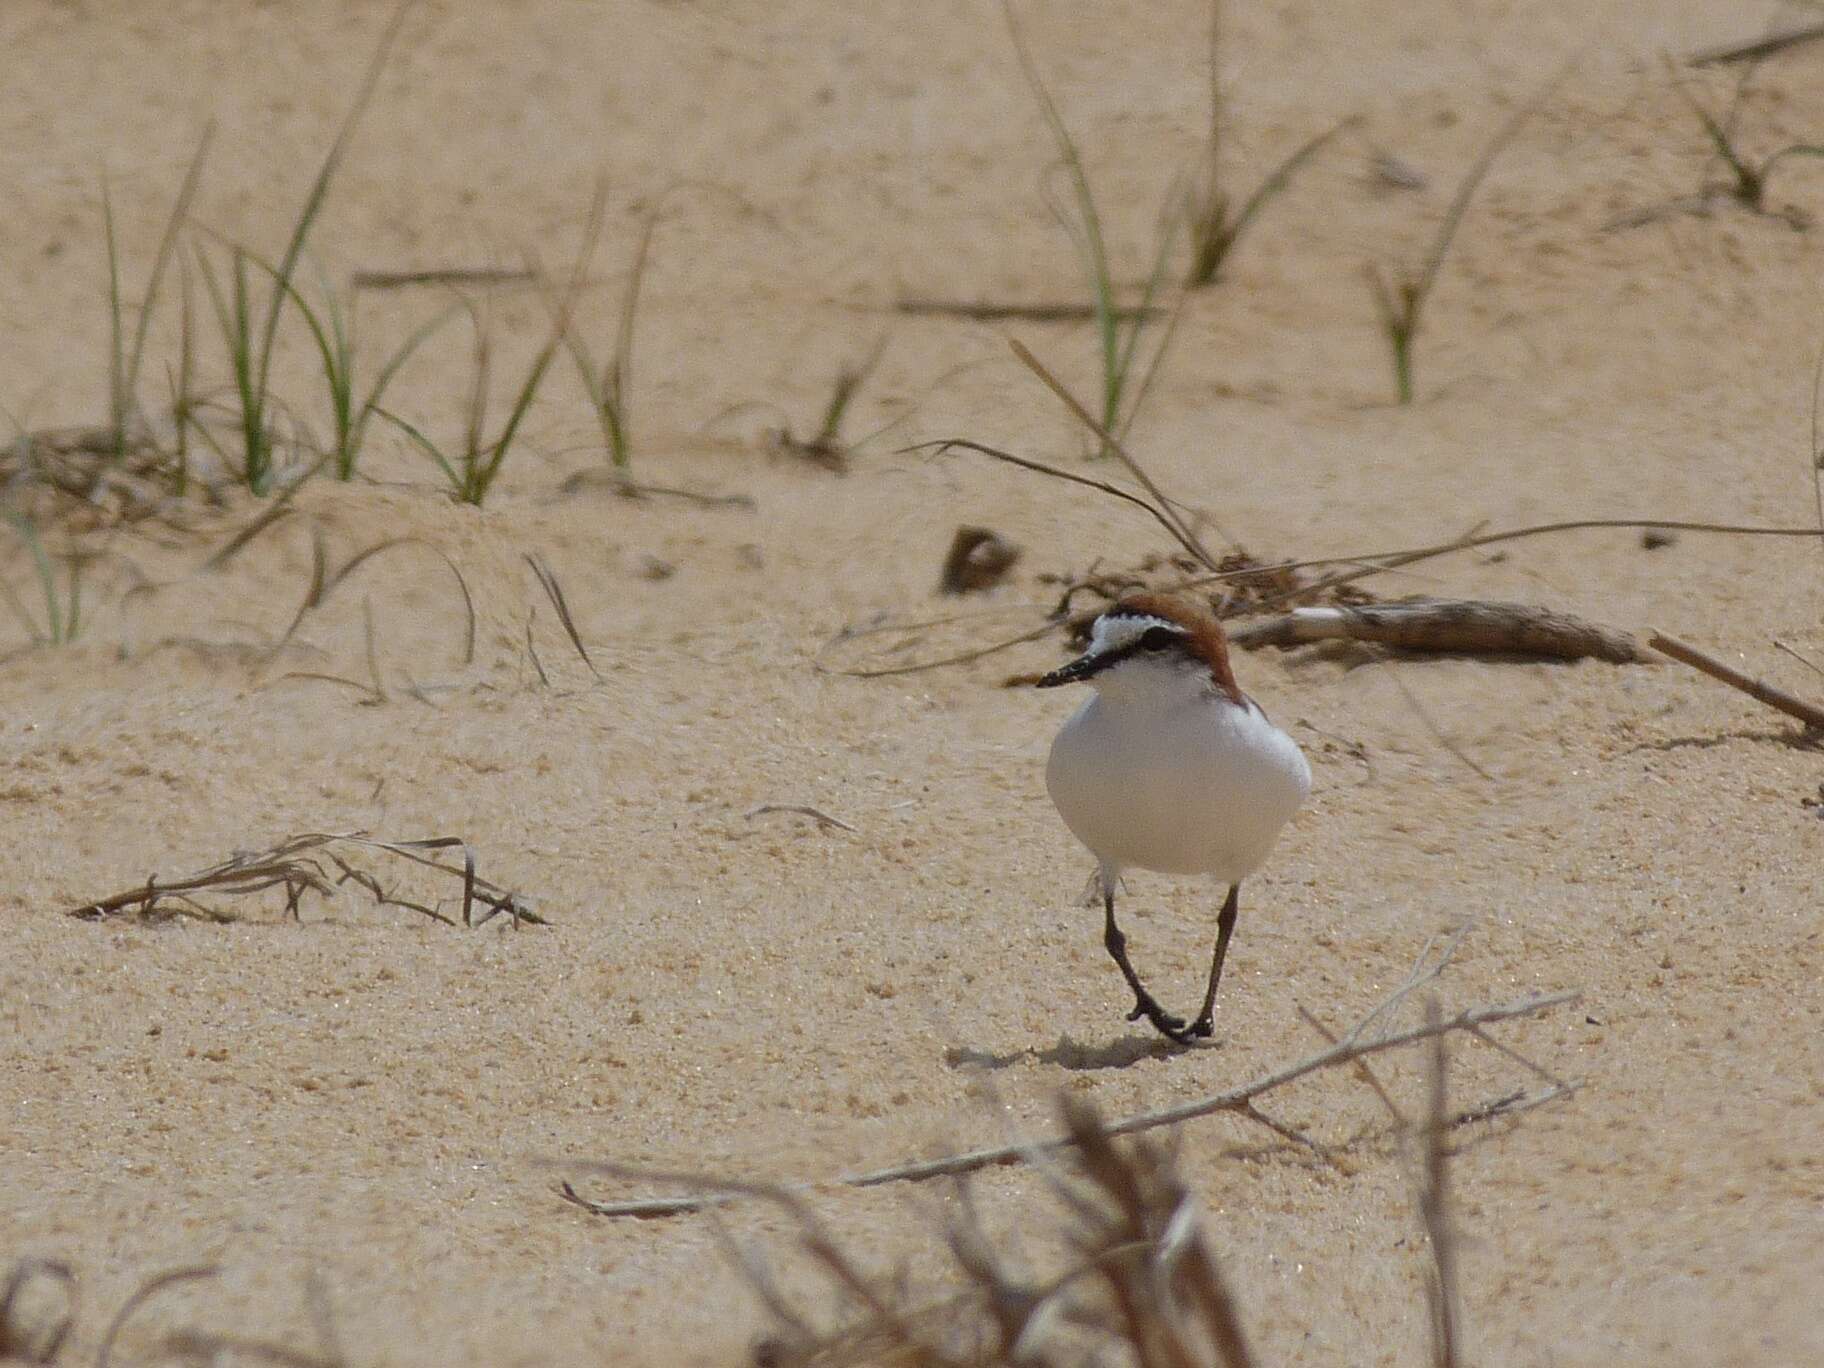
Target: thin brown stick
1167,508
1808,713
822,818
443,275
997,311
1434,1208
710,1191
1756,48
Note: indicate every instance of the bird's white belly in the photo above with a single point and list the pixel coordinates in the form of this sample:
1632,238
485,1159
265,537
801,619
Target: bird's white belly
1187,789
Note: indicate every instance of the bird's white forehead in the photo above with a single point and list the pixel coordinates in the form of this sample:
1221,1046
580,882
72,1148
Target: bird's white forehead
1115,630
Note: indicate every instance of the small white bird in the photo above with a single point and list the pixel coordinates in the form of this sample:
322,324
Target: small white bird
1170,767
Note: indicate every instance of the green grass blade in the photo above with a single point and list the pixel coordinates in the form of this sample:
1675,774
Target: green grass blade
117,359
167,249
47,578
394,363
1471,183
319,191
424,444
1090,222
1276,183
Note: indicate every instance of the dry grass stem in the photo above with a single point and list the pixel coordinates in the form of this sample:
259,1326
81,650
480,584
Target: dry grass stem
822,818
1756,49
1434,1208
313,863
36,1345
995,311
444,275
554,591
1361,1042
1809,713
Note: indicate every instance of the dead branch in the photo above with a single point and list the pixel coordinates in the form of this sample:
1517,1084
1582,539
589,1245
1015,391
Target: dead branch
709,1191
1808,713
311,863
1466,626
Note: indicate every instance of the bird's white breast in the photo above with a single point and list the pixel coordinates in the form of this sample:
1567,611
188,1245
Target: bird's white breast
1182,783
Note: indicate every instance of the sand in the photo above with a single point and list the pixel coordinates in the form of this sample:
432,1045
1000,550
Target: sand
367,1102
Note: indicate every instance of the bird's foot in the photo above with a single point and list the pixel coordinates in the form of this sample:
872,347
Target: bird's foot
1169,1026
1202,1028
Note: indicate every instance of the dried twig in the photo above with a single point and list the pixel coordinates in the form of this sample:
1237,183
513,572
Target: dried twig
1470,626
1238,1099
822,818
310,863
443,275
1756,48
993,311
1808,713
1434,1209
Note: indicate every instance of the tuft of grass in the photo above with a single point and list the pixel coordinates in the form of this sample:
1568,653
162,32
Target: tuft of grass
825,446
1118,331
1214,229
472,469
332,328
315,863
1748,185
1400,300
62,606
250,328
609,386
125,358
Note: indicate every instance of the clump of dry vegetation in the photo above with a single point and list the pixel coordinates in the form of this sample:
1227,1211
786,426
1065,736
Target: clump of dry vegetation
316,863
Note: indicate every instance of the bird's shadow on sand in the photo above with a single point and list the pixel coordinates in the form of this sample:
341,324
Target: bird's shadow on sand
1076,1055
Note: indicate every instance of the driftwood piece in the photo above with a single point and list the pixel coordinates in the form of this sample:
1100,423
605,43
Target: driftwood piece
1468,626
1808,713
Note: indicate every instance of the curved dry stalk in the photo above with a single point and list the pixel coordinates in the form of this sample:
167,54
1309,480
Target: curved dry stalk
707,1190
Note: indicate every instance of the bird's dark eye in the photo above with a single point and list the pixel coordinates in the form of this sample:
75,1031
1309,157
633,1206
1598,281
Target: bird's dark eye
1158,639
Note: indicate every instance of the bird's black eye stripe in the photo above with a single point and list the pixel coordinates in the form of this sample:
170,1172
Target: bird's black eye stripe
1158,639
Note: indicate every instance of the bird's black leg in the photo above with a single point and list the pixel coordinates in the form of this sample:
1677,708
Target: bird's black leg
1225,927
1144,1005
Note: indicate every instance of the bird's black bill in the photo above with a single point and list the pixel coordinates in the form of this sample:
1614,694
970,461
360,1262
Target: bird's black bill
1074,673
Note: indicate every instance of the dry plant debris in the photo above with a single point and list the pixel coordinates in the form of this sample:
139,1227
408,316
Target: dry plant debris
979,558
1456,626
1809,713
36,1337
1369,1036
1142,1281
315,862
